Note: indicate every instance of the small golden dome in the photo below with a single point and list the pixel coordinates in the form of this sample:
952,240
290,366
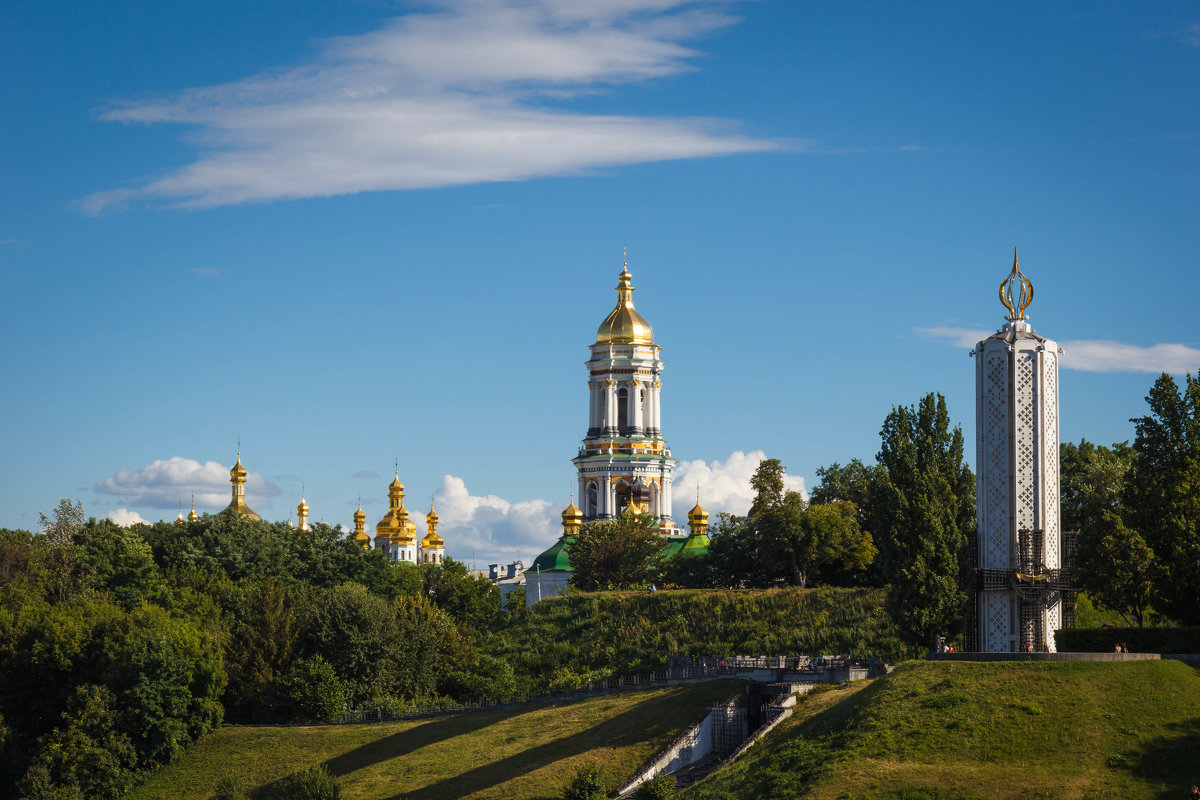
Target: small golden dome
571,515
238,471
431,518
360,516
698,516
624,325
302,509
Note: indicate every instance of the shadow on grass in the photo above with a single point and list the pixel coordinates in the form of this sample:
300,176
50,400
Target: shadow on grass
648,720
1170,759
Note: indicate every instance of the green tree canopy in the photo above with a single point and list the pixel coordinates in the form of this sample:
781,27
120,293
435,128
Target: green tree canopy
1163,492
1117,568
616,554
926,509
1092,480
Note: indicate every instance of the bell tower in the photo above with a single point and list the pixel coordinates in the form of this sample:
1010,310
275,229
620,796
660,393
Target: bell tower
624,457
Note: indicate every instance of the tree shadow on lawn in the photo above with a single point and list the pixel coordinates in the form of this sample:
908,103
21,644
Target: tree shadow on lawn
1171,759
649,720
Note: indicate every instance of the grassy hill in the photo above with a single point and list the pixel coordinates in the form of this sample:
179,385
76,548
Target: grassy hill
563,640
523,753
947,731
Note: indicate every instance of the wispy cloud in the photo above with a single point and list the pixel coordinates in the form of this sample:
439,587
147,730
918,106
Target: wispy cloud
206,271
163,483
724,485
467,92
1094,355
1189,35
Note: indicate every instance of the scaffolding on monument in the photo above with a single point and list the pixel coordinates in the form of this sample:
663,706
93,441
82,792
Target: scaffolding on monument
1037,587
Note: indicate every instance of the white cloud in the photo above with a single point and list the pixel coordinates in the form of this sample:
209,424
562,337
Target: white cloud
491,529
463,93
724,485
960,337
1100,355
124,517
1094,355
162,484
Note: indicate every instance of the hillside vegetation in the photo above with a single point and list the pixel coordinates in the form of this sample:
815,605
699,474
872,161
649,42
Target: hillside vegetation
969,731
563,641
529,752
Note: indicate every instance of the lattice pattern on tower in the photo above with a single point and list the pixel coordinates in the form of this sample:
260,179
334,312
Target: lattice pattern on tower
995,460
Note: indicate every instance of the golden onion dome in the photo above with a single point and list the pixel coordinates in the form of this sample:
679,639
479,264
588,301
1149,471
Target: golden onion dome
624,325
698,516
238,471
431,518
571,515
360,516
302,509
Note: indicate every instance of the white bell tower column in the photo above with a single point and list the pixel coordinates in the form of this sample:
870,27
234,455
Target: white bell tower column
624,442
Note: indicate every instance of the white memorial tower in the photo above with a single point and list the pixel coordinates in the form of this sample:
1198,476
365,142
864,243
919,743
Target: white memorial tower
1021,593
624,457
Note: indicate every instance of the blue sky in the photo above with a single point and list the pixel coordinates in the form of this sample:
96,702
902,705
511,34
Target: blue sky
364,231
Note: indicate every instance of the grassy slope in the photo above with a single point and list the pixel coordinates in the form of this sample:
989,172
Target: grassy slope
605,633
959,731
523,753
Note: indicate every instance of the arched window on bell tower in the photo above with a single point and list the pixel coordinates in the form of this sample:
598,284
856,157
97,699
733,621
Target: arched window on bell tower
623,412
591,500
623,493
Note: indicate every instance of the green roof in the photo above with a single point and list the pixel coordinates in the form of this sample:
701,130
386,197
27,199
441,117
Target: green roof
554,558
696,545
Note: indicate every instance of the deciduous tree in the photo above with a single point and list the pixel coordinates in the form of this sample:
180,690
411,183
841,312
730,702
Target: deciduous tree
1163,492
616,554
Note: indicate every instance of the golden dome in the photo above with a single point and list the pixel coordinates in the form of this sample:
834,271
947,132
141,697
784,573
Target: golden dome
360,516
698,516
302,509
571,515
624,325
238,471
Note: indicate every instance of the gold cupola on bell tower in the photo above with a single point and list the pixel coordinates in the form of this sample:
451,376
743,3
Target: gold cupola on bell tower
624,325
237,477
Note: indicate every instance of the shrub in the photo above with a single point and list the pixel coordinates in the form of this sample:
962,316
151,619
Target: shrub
314,690
660,787
230,789
314,783
1139,640
588,784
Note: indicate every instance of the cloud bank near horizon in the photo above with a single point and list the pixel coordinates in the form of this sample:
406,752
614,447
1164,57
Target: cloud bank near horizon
165,482
479,529
465,92
1093,355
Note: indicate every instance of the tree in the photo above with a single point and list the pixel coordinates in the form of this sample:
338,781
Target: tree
473,602
1092,480
1117,568
925,500
66,521
767,483
616,554
800,541
1163,492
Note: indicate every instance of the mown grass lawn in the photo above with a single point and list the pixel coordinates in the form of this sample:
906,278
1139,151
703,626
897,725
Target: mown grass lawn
969,731
514,753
